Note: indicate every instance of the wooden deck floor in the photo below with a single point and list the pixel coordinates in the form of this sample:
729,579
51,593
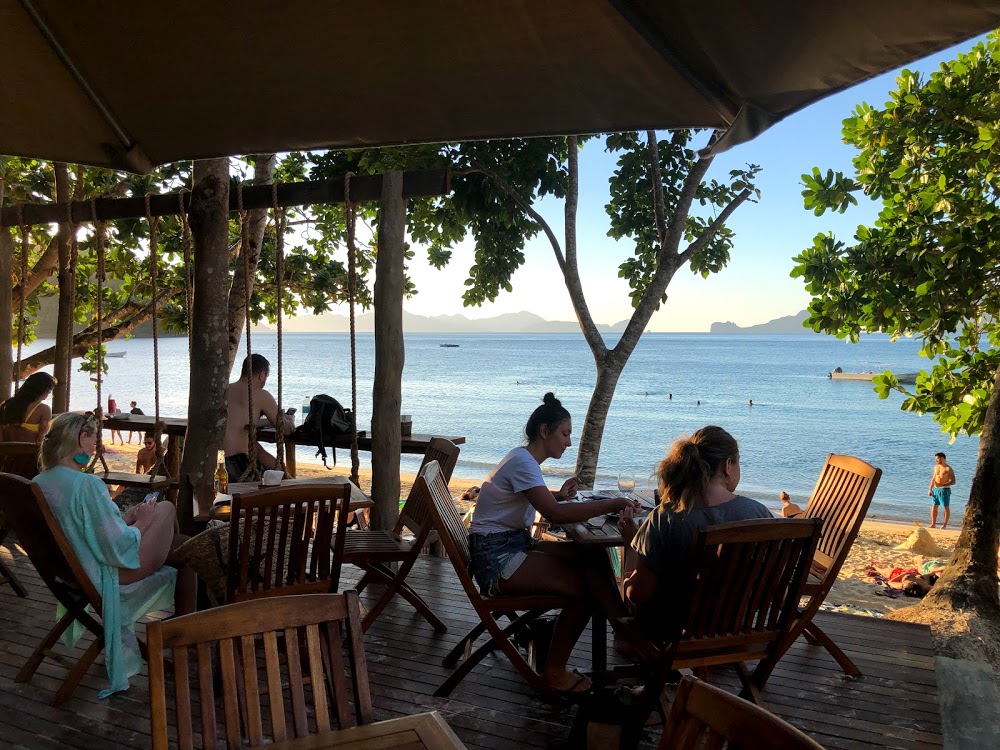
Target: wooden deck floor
894,705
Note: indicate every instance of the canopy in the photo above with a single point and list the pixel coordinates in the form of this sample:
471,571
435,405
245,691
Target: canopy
134,84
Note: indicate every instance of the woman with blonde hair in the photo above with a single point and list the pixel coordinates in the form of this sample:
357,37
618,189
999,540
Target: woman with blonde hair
23,417
698,480
123,555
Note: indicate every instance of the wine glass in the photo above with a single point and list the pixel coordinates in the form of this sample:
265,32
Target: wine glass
626,482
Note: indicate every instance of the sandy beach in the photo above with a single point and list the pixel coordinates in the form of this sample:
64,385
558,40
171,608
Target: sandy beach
854,591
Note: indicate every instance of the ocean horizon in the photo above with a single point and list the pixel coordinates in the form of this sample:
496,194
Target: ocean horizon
485,386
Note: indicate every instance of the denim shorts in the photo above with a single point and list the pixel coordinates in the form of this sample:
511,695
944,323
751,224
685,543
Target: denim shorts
495,557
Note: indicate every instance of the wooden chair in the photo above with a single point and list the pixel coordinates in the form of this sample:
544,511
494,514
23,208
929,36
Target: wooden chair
373,551
282,541
737,601
295,634
41,536
432,490
705,716
841,499
20,459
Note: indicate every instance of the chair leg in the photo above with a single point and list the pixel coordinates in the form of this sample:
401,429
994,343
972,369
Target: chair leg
397,584
456,653
814,630
43,648
76,674
7,576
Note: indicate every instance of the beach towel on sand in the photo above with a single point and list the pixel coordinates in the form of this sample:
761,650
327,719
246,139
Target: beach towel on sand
920,542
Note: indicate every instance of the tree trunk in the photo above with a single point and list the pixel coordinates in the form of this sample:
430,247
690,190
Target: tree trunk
256,224
39,272
597,414
67,288
6,313
389,353
970,580
209,217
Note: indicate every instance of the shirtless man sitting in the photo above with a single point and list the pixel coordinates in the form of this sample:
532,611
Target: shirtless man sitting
255,369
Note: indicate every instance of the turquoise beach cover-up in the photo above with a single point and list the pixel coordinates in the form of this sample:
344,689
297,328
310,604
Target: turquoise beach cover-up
104,543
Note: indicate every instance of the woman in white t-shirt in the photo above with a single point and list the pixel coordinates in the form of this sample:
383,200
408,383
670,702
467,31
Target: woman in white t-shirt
506,560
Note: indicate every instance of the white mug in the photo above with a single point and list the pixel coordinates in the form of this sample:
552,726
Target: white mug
273,476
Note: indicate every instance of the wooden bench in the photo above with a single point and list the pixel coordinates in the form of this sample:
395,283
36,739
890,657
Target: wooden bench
145,481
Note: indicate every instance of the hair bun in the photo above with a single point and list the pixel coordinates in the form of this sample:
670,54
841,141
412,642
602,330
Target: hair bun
550,398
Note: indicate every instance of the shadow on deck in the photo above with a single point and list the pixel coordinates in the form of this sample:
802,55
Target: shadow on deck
894,705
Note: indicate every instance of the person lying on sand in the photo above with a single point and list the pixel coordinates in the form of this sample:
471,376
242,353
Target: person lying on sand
908,580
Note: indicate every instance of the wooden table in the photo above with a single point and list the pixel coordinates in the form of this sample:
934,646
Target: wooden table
175,428
416,443
605,535
427,730
359,500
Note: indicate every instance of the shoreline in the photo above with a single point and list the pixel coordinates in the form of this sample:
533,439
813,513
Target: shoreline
853,592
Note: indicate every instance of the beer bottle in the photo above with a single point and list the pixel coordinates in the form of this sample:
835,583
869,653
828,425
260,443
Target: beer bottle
222,476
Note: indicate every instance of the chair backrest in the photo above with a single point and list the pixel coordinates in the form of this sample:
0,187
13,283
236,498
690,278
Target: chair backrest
702,715
38,532
415,513
252,659
841,499
433,490
282,541
19,458
740,593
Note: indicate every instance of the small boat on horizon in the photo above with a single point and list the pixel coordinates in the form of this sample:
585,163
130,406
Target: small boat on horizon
908,378
449,346
114,354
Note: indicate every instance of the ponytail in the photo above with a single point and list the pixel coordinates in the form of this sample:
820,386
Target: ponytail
688,468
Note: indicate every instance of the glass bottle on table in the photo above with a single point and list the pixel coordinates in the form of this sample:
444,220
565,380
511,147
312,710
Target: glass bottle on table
221,476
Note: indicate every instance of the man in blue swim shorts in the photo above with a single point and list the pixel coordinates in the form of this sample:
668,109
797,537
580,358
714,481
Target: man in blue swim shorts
940,490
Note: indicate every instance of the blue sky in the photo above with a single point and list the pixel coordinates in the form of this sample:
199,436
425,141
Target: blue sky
754,288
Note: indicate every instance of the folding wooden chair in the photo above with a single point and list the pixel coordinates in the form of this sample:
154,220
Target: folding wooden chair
738,600
373,551
282,541
432,490
20,459
702,715
41,536
841,499
295,635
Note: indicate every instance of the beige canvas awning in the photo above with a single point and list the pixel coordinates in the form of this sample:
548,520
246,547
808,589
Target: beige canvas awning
136,84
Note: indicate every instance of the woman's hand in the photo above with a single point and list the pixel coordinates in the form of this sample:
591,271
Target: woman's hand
569,488
627,526
139,515
623,503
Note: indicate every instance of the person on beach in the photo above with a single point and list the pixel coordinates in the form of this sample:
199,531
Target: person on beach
255,371
23,417
506,560
145,459
908,580
698,480
940,490
788,508
113,409
117,551
133,409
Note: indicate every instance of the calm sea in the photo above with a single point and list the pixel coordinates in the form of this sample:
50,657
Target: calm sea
486,387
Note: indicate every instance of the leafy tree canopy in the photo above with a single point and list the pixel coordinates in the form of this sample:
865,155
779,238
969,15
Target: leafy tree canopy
928,267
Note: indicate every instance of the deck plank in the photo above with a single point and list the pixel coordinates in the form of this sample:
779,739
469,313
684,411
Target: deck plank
492,709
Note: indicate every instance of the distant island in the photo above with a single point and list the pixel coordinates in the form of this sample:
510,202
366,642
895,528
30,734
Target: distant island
787,324
521,322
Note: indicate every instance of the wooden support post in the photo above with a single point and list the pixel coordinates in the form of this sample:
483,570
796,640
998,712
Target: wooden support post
389,353
67,292
6,313
209,366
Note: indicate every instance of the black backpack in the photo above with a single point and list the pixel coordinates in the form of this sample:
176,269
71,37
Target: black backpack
326,419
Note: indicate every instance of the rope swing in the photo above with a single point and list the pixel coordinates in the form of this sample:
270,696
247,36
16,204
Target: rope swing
25,248
252,471
100,232
153,262
279,268
351,218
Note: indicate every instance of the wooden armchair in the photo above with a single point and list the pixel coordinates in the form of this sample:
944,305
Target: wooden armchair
372,551
432,490
738,600
841,499
20,459
311,643
705,716
282,541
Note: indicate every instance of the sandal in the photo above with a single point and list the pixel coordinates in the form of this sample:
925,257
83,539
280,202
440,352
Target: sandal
576,691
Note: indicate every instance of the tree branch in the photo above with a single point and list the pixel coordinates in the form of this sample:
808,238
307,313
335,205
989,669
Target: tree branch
714,227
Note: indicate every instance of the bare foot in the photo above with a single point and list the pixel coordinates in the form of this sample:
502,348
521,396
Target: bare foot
943,526
932,526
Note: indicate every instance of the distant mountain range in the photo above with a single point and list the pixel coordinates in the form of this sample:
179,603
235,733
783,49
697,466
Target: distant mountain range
521,322
787,324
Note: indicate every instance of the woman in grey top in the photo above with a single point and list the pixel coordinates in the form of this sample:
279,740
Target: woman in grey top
698,480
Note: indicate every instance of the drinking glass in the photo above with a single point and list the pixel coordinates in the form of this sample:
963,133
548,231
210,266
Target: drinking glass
626,482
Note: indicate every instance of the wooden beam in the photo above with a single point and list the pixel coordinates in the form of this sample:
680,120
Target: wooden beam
363,188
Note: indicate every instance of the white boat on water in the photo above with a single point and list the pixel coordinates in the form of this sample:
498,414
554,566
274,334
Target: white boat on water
839,374
114,354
